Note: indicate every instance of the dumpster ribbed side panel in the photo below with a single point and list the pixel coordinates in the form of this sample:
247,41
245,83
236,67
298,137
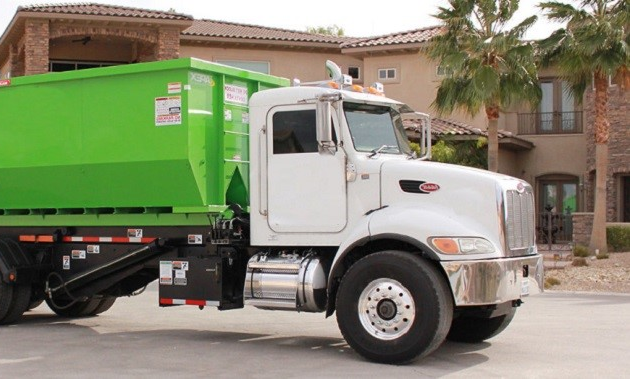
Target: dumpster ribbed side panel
147,137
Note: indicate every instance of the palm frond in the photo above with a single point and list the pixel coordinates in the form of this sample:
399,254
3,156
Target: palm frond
482,56
557,11
519,30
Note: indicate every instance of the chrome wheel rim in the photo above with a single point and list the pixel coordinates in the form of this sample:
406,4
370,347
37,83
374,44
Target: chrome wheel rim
386,309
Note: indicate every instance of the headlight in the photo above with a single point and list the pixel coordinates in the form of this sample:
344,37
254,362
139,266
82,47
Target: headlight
461,245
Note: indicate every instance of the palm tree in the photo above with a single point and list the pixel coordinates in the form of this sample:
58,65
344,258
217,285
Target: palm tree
488,64
591,48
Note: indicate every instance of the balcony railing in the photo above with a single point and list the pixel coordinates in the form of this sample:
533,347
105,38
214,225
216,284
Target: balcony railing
550,123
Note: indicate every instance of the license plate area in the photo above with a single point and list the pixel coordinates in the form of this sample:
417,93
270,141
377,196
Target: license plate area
525,281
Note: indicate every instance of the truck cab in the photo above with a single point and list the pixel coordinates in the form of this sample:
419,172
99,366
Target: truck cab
332,167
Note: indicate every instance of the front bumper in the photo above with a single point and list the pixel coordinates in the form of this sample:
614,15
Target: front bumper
494,281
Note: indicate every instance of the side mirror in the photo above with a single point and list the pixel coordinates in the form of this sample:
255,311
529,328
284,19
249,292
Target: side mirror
324,127
425,132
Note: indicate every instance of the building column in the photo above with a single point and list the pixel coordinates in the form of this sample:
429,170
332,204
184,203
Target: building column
168,44
16,62
36,46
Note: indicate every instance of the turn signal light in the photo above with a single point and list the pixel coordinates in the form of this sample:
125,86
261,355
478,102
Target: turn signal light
446,245
461,245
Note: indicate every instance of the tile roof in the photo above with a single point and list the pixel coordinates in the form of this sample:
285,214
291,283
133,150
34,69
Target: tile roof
399,38
443,127
94,9
212,28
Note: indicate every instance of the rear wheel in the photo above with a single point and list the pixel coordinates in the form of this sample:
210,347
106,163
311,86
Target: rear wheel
35,303
6,296
393,307
476,329
19,304
104,305
66,308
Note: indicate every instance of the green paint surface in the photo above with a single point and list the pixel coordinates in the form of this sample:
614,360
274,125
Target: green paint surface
76,145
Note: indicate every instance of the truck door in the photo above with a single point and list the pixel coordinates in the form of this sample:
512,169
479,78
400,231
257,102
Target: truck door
306,190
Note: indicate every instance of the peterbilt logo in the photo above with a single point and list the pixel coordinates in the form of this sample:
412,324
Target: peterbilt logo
429,187
520,187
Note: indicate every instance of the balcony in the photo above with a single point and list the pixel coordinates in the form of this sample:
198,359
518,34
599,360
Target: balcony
550,123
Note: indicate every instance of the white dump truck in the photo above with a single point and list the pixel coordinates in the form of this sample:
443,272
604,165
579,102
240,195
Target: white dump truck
234,188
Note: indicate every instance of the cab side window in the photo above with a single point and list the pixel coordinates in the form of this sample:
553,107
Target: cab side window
294,132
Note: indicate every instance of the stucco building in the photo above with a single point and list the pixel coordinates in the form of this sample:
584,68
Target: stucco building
550,147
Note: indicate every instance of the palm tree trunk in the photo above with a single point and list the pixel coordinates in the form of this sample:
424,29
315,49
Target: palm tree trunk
492,112
601,129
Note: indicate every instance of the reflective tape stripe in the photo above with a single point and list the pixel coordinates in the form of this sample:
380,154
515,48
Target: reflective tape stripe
108,239
203,303
51,239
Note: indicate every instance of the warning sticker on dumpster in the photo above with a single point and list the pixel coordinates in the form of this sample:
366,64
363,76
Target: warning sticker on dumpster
180,265
78,254
166,272
168,110
174,87
66,262
235,94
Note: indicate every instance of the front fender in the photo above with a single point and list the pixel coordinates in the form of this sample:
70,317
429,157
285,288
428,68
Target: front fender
410,224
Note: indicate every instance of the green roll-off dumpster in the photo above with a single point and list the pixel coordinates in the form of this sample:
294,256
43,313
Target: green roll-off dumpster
160,138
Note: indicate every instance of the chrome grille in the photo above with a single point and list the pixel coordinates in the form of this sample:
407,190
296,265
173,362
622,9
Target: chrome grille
519,219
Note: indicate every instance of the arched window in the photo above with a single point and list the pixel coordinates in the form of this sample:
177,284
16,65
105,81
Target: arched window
558,198
558,193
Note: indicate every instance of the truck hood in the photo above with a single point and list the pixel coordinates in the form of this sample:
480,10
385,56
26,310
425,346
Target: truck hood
469,202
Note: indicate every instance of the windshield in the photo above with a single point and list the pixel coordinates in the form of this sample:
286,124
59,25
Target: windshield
376,128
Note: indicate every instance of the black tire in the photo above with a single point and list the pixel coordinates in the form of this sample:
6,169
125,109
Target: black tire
475,329
6,297
19,304
37,298
34,304
394,307
104,305
78,309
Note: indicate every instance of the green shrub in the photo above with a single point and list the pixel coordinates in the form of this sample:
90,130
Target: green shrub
581,251
618,238
602,256
579,262
550,282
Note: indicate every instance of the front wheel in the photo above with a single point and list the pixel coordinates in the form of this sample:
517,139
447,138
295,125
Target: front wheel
393,307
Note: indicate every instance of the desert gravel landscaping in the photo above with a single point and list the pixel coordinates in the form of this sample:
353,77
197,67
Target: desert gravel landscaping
610,275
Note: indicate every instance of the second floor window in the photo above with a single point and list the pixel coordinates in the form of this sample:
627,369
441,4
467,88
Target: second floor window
386,73
557,113
557,107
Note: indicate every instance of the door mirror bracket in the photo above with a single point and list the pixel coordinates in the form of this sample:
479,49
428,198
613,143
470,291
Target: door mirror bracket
324,123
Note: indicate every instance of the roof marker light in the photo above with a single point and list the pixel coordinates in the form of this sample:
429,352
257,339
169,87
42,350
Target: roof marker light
357,88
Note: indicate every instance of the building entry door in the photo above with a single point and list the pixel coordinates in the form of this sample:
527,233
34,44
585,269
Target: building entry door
558,199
